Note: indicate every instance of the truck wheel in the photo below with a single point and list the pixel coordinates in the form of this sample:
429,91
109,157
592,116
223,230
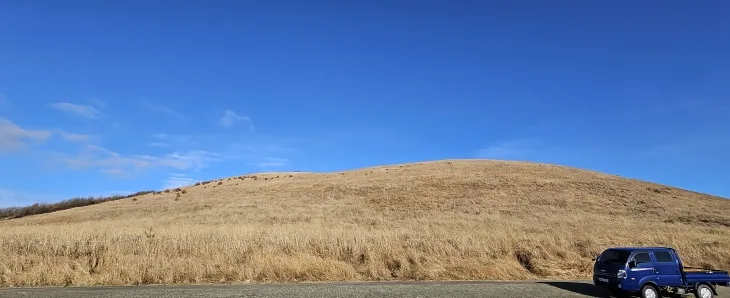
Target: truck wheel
649,291
704,291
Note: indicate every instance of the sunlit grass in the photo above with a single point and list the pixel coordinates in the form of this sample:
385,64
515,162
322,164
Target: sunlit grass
435,221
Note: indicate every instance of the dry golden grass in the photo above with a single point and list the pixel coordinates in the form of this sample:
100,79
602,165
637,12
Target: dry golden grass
436,220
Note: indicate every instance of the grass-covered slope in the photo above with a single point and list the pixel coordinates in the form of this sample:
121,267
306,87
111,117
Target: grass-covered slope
458,219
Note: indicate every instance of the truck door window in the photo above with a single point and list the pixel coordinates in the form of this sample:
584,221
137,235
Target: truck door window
642,257
663,257
614,256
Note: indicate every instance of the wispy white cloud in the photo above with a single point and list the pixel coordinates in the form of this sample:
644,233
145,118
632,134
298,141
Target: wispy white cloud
510,149
264,146
272,162
171,139
97,102
230,118
262,155
178,180
161,140
191,160
158,144
73,137
113,163
187,153
256,150
163,110
77,109
14,137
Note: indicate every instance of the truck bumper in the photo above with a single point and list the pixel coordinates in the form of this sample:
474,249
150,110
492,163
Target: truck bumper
611,284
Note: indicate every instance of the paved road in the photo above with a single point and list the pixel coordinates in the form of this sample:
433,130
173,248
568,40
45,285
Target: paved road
326,290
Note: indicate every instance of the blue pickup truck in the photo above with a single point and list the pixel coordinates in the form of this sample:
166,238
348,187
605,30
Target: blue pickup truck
653,272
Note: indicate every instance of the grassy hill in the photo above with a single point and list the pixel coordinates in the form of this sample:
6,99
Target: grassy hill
453,219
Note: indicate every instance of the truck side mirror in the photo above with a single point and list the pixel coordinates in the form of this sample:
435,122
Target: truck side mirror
632,264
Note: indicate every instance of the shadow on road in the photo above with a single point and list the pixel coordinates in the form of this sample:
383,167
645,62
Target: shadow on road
579,288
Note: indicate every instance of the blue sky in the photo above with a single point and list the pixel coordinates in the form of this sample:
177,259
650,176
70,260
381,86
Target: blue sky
102,97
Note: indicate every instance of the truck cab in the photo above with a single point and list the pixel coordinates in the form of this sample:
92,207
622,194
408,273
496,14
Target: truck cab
653,271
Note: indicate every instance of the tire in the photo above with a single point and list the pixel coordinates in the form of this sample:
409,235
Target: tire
649,291
704,291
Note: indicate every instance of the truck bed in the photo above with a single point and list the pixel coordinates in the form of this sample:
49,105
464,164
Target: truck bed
706,275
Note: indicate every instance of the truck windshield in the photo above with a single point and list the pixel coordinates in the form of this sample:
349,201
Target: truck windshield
613,256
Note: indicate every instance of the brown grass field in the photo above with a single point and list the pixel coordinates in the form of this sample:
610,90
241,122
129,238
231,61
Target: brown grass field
445,220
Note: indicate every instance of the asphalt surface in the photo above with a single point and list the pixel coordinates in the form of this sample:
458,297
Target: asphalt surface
326,290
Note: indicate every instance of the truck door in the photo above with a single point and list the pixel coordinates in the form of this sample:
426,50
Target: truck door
667,267
643,271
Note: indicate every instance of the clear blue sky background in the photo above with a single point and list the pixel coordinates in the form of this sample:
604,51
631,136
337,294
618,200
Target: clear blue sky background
102,97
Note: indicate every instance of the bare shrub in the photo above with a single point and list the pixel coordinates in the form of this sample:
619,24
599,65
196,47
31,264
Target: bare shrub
41,208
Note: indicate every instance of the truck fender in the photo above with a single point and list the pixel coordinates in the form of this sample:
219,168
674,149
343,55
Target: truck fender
643,283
